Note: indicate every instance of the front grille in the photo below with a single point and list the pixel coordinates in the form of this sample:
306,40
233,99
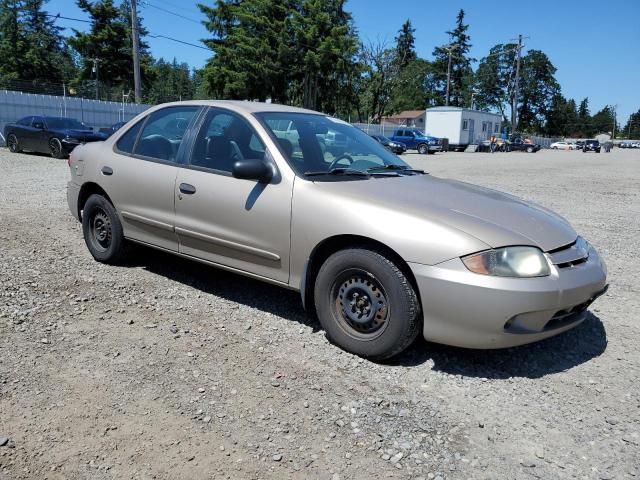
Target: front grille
568,256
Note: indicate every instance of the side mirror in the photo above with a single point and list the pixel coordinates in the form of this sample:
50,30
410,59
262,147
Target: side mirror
38,125
252,170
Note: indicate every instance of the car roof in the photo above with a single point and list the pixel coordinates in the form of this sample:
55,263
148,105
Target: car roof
246,106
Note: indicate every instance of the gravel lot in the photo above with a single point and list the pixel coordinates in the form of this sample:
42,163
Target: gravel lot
167,369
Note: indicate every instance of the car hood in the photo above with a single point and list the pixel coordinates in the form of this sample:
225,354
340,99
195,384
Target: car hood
497,219
84,135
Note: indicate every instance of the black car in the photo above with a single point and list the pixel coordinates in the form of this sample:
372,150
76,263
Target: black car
393,147
591,146
520,145
56,136
108,131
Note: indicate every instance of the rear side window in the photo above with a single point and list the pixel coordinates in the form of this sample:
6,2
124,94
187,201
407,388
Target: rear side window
26,121
163,132
128,140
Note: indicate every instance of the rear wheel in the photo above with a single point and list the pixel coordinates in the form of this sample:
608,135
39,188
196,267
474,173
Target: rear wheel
102,230
422,148
529,149
55,148
366,304
12,143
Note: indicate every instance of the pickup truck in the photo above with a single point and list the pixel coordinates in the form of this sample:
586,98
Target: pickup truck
414,139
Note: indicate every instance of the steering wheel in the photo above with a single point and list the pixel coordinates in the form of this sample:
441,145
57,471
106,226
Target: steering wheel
334,164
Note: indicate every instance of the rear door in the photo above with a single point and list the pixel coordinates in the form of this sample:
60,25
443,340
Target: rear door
139,174
241,224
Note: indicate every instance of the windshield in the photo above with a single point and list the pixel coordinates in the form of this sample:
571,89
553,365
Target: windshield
316,143
65,123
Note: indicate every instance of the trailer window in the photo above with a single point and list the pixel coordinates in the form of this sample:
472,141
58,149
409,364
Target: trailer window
465,124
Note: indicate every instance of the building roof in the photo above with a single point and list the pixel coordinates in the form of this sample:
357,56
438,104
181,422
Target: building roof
460,109
406,114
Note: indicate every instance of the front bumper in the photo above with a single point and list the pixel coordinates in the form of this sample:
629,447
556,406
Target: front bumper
73,192
435,148
469,310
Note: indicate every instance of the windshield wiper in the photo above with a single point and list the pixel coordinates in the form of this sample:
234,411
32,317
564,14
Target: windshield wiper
401,168
338,171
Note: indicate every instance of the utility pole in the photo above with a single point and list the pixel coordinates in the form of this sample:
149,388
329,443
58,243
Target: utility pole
136,52
96,61
449,50
516,93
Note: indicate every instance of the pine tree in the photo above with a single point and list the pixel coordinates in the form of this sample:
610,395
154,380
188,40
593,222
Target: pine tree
25,27
538,88
107,47
461,78
405,45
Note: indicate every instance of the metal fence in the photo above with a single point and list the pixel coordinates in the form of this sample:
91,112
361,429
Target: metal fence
94,113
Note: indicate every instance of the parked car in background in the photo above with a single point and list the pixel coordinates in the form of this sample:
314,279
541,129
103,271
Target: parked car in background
579,144
108,131
591,146
562,146
57,136
502,145
382,251
394,147
518,144
415,139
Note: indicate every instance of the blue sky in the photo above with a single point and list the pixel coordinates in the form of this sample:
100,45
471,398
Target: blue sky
594,45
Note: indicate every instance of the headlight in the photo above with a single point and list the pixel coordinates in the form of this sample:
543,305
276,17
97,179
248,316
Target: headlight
509,262
70,140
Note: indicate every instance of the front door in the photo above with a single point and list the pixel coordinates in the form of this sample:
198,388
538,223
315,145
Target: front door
241,224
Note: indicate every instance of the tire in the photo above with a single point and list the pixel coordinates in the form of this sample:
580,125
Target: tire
55,148
12,143
554,148
102,230
529,149
360,274
423,149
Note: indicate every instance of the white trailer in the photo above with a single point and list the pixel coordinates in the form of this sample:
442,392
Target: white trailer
462,126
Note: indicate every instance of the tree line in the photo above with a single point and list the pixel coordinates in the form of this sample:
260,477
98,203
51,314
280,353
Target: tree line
298,52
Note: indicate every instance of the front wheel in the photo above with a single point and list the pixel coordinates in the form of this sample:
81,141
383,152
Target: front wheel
529,149
366,304
102,230
423,149
55,148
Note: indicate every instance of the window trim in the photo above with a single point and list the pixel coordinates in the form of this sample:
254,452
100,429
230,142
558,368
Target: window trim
181,149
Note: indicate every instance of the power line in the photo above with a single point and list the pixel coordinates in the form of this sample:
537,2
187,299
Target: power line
149,34
148,4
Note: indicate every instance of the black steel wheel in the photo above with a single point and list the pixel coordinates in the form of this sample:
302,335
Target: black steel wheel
366,304
55,147
361,303
12,143
102,230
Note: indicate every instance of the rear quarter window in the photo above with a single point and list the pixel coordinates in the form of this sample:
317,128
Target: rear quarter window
127,142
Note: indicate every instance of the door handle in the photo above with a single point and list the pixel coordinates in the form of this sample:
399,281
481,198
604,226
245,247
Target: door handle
187,189
107,170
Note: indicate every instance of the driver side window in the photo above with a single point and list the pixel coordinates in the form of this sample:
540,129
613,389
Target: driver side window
224,139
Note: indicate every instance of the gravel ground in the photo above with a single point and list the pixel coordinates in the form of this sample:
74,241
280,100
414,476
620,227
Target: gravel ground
167,369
